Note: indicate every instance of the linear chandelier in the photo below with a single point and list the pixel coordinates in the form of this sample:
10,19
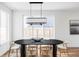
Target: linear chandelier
36,20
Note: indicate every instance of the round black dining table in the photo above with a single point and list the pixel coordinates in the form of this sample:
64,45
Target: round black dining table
24,42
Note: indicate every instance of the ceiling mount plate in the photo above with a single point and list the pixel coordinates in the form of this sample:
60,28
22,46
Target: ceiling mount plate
36,2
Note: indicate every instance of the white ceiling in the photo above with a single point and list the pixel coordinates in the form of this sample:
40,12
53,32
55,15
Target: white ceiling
46,5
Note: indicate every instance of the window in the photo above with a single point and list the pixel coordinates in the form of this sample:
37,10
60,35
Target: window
37,31
4,27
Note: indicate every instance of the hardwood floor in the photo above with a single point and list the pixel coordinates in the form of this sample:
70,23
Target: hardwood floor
73,52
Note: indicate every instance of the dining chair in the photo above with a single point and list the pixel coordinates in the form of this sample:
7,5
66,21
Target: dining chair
45,50
14,48
32,51
63,48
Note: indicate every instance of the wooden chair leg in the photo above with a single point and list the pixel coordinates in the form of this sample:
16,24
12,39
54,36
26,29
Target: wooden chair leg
67,52
12,51
61,52
36,51
17,52
40,50
9,53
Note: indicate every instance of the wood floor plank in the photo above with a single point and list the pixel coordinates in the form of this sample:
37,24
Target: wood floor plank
73,52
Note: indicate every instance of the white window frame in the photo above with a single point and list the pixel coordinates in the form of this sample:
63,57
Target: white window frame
7,15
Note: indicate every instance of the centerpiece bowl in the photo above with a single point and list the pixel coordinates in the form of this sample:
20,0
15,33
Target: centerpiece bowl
37,40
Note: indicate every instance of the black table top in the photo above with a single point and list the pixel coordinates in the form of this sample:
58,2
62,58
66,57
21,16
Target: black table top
42,42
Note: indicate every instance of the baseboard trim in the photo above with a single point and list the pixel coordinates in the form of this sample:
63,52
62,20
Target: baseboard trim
74,47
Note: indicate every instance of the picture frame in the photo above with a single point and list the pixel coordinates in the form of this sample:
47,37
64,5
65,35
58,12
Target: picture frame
74,27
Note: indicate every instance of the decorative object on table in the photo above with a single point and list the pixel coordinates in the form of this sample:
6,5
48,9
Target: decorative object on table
74,27
37,40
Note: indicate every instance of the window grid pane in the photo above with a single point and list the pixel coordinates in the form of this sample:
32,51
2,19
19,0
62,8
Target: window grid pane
4,27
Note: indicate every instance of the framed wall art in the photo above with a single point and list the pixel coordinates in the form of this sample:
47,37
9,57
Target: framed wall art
74,27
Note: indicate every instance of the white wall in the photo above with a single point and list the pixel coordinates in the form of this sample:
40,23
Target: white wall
61,22
63,27
5,47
